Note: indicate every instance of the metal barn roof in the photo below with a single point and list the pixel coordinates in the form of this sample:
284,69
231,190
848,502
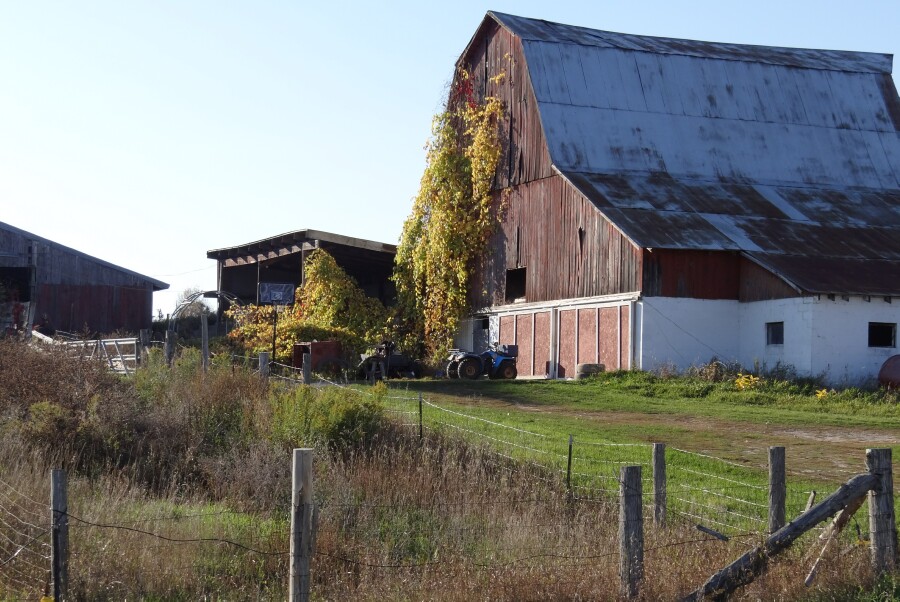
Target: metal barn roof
791,156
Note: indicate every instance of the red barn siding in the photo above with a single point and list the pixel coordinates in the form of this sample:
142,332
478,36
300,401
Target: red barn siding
625,335
541,343
608,337
567,350
587,336
524,341
507,330
696,274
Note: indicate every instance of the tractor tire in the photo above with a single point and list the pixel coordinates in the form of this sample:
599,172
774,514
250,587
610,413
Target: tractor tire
452,370
507,371
469,368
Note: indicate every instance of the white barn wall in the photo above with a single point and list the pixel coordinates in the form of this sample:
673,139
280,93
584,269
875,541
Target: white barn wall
840,340
797,315
686,332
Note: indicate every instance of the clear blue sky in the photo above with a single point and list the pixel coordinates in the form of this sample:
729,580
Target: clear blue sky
146,133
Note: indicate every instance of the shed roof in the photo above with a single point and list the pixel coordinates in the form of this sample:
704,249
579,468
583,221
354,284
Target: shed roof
157,285
293,242
791,156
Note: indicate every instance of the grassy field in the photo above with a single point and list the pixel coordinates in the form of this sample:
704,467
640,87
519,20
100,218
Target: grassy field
717,436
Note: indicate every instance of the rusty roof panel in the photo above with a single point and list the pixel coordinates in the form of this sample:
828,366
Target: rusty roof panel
545,31
844,275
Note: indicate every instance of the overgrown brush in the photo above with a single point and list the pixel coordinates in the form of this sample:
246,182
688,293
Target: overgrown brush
180,490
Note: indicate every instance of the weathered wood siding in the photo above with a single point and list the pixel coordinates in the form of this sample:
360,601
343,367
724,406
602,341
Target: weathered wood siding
568,248
496,51
73,291
759,284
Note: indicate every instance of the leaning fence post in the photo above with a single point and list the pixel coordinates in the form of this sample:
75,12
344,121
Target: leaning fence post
301,525
882,522
170,346
777,489
659,484
631,531
264,364
59,538
307,368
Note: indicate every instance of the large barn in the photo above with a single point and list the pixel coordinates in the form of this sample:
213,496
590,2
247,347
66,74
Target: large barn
671,201
43,283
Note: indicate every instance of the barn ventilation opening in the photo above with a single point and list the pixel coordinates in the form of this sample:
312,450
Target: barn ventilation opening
882,334
515,285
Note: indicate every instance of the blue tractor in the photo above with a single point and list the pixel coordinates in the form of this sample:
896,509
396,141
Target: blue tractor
497,362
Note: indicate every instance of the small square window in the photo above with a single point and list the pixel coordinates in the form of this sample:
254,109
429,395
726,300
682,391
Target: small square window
882,334
774,333
485,323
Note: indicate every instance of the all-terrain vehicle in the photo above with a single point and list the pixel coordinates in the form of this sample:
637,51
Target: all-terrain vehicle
386,363
499,361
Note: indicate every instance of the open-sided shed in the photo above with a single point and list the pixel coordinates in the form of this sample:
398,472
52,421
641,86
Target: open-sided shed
280,259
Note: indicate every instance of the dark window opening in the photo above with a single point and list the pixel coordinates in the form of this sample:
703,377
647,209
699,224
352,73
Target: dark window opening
882,334
485,323
515,285
774,333
581,239
15,285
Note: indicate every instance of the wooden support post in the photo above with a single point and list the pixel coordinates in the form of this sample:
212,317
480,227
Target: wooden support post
264,364
659,484
777,489
631,531
170,346
301,525
307,369
204,342
882,521
59,538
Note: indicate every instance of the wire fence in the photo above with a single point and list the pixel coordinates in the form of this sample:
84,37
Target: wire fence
24,541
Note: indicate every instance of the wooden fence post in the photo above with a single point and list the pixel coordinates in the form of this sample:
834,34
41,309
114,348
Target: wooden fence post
59,537
882,522
140,347
264,364
777,489
307,368
204,342
659,484
170,346
631,531
421,426
301,525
